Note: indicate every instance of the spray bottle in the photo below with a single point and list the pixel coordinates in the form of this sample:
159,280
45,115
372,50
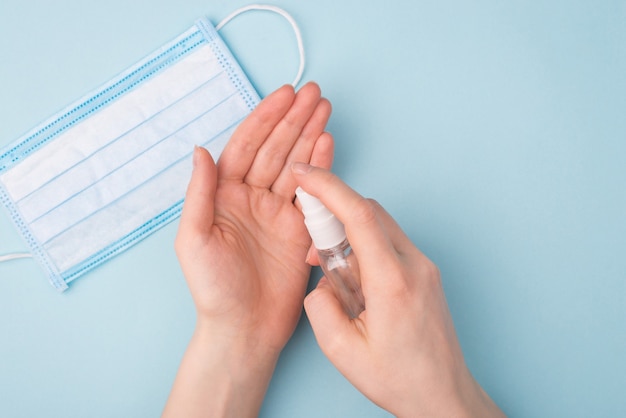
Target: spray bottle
337,260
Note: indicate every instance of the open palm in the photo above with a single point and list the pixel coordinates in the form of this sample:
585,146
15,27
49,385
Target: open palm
242,243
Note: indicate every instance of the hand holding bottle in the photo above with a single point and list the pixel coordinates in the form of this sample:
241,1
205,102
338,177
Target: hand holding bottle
401,351
335,255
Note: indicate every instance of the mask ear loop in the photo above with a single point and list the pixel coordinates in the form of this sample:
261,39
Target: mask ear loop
15,256
284,14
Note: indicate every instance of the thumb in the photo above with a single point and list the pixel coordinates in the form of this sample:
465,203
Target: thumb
198,209
334,331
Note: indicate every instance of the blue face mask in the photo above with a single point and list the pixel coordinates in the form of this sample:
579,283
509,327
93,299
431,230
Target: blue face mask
113,168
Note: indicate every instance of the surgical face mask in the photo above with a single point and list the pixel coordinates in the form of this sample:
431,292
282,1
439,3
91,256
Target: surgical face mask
112,168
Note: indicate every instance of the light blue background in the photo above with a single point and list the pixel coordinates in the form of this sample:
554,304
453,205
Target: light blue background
495,132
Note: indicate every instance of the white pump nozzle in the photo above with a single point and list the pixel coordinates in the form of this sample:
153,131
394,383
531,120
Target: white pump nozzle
324,228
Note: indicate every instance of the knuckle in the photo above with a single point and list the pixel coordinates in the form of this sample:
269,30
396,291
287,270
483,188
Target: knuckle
407,280
273,153
246,146
328,181
401,288
291,121
430,269
429,273
365,211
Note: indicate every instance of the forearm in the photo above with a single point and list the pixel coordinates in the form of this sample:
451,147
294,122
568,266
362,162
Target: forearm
219,377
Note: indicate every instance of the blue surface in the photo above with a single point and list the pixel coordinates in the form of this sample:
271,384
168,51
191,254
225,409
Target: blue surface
495,133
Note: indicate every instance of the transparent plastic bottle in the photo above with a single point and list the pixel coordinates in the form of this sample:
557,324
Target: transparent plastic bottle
337,260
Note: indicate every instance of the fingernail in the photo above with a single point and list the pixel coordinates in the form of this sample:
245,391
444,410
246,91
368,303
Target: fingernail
301,168
309,254
195,155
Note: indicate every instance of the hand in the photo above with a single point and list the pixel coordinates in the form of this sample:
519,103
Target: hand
241,242
242,245
401,351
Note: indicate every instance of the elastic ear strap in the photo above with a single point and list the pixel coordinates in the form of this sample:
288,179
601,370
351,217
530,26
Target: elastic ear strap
284,14
15,256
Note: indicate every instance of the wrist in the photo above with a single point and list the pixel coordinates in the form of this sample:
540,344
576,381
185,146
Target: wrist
479,404
220,375
464,398
240,350
473,401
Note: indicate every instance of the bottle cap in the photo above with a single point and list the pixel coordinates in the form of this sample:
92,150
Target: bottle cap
325,229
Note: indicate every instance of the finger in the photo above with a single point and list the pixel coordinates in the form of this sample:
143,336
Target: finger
198,209
334,331
241,150
366,232
401,242
272,154
323,152
359,216
322,156
302,150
